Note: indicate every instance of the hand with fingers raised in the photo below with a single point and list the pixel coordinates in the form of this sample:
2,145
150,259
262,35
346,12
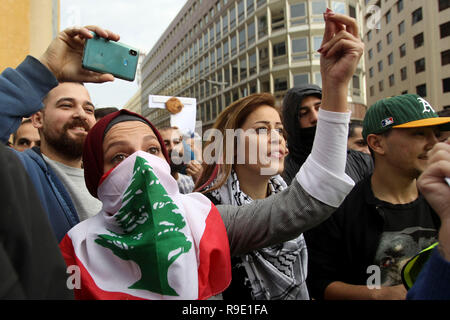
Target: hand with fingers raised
340,52
64,54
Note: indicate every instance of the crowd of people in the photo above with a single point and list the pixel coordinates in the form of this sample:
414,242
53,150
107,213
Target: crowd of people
139,212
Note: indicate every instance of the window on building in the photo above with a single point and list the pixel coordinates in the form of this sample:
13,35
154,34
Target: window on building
401,27
371,72
262,26
225,24
317,43
213,60
372,91
298,13
250,6
234,72
399,5
352,11
356,85
219,56
218,29
241,11
445,29
252,63
242,38
389,38
279,49
318,7
402,50
243,68
277,20
318,79
369,35
225,51
445,57
417,16
444,4
420,65
338,7
380,86
233,45
421,90
251,33
403,74
380,65
379,46
280,84
263,53
300,79
418,40
299,48
391,80
388,16
390,59
370,53
232,17
446,85
205,40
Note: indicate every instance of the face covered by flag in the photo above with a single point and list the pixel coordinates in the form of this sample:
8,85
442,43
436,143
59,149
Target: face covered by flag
149,241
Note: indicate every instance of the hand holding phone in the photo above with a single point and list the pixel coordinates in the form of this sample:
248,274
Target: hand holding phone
105,56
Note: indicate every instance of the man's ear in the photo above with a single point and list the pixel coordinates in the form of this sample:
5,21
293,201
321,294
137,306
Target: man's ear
37,119
376,143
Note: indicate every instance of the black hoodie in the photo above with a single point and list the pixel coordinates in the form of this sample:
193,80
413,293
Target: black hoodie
300,140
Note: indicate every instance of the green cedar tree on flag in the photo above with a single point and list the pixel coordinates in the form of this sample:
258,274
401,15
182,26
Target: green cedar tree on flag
149,241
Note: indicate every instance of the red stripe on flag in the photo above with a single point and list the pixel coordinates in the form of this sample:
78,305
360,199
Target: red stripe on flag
89,290
214,272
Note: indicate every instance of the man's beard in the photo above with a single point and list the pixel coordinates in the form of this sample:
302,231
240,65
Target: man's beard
70,148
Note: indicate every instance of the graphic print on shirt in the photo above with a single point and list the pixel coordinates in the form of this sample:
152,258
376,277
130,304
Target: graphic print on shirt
151,225
397,247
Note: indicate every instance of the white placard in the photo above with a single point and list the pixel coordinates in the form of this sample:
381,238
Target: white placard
185,119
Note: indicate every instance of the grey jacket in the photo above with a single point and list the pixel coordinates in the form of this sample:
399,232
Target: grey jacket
278,218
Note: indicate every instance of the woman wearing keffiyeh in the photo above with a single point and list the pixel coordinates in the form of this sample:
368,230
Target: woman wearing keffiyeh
279,271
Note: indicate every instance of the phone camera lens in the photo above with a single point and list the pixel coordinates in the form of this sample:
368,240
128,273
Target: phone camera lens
133,52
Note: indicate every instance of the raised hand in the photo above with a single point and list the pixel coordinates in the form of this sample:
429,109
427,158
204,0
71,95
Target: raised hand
341,51
64,54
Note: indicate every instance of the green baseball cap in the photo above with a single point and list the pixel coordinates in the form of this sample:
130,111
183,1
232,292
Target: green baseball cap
405,111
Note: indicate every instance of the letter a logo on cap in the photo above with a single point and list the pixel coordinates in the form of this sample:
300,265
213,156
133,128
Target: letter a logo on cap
426,106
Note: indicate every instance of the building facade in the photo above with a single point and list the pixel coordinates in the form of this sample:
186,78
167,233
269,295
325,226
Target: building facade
408,49
27,27
220,51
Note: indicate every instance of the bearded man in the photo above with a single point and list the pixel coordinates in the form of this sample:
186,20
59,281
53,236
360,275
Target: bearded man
64,114
56,167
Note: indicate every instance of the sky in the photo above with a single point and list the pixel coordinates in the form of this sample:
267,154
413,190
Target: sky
139,23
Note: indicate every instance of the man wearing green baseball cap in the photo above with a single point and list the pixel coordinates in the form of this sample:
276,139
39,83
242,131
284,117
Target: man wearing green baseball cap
358,253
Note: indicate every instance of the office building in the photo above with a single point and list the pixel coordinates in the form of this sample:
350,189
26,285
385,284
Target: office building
220,51
408,49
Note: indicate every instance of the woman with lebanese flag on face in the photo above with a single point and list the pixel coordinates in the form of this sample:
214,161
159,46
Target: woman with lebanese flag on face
151,242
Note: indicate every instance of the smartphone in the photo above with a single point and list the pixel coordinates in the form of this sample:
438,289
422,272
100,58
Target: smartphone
107,56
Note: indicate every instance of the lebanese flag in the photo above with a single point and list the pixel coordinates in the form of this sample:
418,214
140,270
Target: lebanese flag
149,241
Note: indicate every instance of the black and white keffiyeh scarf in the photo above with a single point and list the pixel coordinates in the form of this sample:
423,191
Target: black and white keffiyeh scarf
273,273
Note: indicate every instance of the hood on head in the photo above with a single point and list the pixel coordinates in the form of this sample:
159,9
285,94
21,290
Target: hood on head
291,105
93,149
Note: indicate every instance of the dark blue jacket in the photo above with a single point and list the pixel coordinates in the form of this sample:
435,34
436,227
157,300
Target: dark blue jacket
434,280
21,93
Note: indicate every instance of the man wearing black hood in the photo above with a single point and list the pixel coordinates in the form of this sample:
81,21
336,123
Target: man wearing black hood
300,107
